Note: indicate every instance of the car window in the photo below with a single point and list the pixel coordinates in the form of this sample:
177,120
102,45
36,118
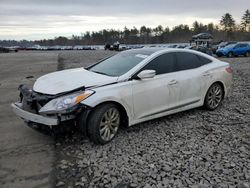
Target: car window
203,60
162,64
237,46
243,45
231,46
186,60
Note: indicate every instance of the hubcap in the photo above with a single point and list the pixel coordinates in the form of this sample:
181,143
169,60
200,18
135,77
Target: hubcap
109,124
214,96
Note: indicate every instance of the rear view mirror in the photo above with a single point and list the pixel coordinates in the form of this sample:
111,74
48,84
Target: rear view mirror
146,74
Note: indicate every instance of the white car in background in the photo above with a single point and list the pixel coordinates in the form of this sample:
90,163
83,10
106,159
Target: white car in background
128,88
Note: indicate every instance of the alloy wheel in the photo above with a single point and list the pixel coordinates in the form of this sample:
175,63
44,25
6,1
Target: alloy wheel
109,124
215,96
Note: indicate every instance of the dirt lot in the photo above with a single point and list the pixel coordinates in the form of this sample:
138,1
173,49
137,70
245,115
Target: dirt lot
195,148
26,156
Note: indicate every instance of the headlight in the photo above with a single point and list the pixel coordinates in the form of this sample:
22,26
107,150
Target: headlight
66,103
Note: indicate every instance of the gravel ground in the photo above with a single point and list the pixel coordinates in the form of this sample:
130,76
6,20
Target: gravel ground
196,148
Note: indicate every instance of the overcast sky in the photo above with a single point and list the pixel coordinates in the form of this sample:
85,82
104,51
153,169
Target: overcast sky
39,19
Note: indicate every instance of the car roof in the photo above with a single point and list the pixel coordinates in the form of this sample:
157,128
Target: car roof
157,50
146,51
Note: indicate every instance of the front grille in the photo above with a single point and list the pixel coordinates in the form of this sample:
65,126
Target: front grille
41,99
33,101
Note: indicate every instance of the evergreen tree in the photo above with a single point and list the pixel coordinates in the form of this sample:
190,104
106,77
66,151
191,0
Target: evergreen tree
245,23
227,22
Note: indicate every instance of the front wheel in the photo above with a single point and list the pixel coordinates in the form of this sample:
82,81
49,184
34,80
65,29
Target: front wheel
230,54
104,123
213,97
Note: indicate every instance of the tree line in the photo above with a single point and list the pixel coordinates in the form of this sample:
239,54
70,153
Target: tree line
226,30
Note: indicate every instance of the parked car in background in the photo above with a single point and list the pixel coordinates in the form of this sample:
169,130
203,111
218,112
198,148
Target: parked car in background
130,87
117,47
107,46
233,50
215,47
202,49
202,36
177,46
4,50
172,46
7,49
123,47
224,44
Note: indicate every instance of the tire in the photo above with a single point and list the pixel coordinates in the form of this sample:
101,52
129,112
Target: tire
214,97
247,54
104,123
230,54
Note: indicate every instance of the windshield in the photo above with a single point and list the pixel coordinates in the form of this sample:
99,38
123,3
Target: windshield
230,46
120,63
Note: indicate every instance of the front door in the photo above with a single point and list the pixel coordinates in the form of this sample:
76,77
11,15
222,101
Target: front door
156,95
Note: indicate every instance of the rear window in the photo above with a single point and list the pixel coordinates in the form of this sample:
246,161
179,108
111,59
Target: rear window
204,60
187,60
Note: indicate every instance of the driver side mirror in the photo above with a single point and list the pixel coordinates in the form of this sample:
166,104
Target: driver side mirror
145,74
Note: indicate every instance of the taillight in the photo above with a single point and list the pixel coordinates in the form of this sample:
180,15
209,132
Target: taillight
229,70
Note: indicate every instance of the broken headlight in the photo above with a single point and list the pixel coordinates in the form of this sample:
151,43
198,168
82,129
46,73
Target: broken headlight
66,103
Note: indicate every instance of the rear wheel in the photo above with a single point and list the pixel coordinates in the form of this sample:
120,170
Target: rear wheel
104,123
213,97
247,54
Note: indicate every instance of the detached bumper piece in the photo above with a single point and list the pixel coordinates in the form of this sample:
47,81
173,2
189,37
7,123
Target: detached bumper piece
31,117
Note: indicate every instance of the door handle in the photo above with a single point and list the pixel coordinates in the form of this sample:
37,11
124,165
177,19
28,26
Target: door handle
206,74
172,82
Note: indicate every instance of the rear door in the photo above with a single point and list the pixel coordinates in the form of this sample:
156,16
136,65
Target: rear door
192,79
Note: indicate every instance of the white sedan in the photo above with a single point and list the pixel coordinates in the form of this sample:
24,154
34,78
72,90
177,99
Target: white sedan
128,88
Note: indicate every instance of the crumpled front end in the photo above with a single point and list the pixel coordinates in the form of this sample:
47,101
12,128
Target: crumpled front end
31,103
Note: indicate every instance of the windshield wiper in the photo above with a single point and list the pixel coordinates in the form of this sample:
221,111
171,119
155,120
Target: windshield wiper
101,73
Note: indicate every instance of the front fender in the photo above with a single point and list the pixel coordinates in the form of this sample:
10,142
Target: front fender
119,93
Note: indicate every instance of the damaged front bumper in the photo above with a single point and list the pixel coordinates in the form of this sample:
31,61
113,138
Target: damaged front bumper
31,117
31,102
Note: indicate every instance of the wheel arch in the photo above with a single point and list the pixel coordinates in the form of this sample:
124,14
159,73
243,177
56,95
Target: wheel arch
205,102
122,109
223,87
221,84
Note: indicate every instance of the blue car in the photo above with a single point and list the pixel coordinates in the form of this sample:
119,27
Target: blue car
234,50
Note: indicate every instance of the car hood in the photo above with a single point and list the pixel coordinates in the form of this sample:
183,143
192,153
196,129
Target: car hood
68,80
222,50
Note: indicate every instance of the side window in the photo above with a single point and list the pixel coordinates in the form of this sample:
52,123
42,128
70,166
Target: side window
162,64
203,60
237,46
186,60
243,45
